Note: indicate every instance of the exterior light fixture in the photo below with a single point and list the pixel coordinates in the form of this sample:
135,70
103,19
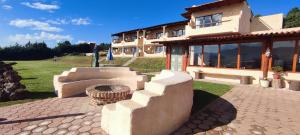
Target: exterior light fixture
268,53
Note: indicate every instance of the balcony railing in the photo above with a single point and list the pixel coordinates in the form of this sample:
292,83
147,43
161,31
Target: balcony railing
117,41
130,39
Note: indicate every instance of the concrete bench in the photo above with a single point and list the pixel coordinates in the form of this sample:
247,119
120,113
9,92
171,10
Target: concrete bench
161,108
75,81
243,79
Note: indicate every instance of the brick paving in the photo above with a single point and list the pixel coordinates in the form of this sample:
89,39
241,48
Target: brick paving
248,110
245,110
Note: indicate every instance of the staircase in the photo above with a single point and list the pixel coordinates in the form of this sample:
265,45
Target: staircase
129,62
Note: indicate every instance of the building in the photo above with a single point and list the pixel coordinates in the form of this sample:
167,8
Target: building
139,42
222,39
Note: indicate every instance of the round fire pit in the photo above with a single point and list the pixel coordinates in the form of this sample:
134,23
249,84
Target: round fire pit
106,94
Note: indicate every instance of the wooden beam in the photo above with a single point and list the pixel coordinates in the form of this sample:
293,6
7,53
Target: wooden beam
168,62
263,55
219,56
266,63
184,57
202,56
239,57
270,44
296,56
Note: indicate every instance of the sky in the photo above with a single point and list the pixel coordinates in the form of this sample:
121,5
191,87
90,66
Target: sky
95,20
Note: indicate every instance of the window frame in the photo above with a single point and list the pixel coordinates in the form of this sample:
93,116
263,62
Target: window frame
212,23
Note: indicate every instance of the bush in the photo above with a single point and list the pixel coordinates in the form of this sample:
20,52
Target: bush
39,51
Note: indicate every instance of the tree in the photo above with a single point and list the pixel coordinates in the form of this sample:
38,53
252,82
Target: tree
293,18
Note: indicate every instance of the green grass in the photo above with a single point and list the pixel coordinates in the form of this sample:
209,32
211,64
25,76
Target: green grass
205,93
116,61
146,65
38,75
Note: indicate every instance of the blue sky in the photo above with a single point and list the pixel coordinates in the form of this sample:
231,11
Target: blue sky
95,20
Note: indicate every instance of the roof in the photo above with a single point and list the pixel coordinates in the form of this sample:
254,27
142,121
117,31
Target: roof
290,32
154,27
207,6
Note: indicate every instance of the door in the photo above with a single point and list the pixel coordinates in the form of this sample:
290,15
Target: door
176,58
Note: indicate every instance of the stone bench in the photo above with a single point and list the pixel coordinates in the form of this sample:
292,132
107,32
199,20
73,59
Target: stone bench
243,79
75,81
161,108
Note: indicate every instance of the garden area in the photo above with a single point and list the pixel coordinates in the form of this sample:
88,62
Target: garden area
38,77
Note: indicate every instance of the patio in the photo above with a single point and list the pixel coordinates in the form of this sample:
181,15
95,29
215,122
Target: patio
243,110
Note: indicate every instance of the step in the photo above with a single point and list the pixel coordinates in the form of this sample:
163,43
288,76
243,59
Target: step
128,105
143,97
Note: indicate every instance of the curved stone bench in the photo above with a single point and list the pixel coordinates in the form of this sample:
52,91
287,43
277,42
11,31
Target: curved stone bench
161,108
75,81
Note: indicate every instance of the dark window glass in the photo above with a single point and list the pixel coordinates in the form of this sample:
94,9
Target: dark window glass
178,33
208,21
298,61
195,55
211,55
229,55
250,55
159,35
282,54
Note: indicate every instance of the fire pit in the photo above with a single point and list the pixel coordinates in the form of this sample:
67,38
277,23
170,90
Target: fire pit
106,94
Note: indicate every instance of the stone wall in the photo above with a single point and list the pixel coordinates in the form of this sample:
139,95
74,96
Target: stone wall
10,86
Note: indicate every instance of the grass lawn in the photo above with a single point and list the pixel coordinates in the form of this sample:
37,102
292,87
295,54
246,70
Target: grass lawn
146,65
38,75
205,92
116,61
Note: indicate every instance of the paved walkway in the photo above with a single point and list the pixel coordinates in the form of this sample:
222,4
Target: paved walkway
246,110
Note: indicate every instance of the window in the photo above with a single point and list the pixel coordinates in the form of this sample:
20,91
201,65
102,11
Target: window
178,33
195,55
229,54
298,60
211,55
250,55
159,35
208,21
282,54
158,49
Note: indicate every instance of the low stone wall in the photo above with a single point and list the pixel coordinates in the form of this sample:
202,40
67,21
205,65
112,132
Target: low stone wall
75,81
161,108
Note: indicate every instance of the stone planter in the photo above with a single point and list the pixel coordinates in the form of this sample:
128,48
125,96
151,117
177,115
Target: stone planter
265,83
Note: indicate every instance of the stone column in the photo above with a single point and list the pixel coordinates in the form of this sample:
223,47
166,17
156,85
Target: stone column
164,31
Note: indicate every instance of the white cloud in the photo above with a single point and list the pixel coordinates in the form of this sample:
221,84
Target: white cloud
7,7
81,21
34,25
58,21
41,6
43,36
2,1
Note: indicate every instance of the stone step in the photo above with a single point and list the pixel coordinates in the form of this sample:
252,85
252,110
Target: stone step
143,97
127,105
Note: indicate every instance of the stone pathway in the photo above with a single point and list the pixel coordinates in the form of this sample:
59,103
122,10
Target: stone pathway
51,116
246,110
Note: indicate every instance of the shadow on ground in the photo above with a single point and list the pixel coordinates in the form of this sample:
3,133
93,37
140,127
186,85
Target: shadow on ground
209,111
40,118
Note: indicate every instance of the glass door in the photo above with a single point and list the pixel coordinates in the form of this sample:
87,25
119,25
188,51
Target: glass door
176,59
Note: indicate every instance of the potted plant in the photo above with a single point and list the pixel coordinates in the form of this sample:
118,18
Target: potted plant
278,71
265,82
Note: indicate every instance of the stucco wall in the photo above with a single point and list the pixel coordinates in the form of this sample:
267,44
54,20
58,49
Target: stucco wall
244,21
231,17
161,108
270,22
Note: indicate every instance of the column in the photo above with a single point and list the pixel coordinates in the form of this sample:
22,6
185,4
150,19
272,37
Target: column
164,31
